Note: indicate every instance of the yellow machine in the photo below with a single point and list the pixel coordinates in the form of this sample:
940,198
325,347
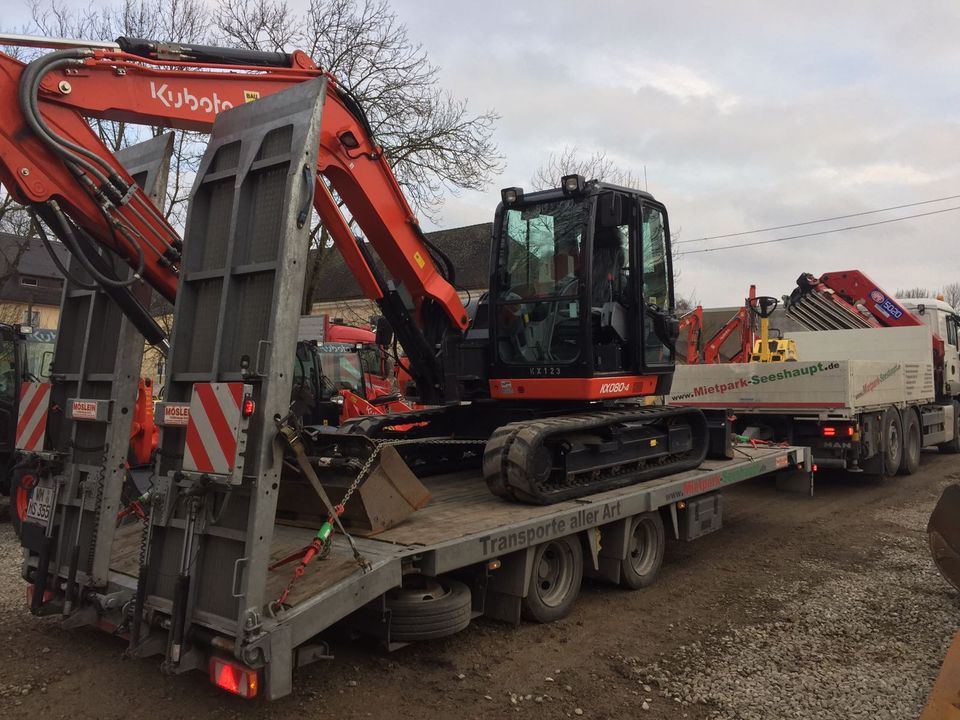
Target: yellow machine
767,349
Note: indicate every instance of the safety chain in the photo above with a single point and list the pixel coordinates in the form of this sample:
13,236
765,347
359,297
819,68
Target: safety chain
320,546
378,445
97,508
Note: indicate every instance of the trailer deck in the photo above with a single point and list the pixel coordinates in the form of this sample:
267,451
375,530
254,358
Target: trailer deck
463,525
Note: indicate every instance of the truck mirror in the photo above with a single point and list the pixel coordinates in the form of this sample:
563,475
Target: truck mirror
384,332
46,363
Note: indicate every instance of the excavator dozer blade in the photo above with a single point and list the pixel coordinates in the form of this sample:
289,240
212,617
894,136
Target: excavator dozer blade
943,703
943,532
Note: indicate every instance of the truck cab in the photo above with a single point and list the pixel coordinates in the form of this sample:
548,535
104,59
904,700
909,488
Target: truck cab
943,322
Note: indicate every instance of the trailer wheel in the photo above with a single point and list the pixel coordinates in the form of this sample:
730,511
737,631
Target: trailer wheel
891,434
555,580
952,446
910,462
639,569
426,608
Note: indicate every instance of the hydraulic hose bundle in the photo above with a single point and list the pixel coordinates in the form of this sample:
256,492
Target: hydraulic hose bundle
111,193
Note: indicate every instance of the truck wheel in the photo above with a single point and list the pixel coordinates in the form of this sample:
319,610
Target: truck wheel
952,446
910,462
554,580
639,569
891,434
427,608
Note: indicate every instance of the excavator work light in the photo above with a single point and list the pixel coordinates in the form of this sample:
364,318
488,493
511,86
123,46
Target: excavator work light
349,140
572,184
511,195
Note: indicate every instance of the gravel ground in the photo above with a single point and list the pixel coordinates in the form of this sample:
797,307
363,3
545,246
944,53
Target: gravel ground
857,639
823,608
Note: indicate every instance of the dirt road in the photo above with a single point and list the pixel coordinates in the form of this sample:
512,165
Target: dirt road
812,608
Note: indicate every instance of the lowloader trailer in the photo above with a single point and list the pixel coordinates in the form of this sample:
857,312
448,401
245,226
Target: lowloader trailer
464,555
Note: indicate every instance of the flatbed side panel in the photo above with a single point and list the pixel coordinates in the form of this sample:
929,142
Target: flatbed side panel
821,387
335,601
603,508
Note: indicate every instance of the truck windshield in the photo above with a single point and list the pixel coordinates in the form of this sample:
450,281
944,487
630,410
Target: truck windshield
340,366
8,371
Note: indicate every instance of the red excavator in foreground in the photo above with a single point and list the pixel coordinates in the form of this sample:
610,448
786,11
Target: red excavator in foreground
576,324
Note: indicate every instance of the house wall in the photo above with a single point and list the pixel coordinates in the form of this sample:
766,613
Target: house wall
359,311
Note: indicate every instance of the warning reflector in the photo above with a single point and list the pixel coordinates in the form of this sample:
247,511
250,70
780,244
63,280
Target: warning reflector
32,416
233,677
214,438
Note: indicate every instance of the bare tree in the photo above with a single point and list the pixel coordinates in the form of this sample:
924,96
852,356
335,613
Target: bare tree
914,292
569,161
434,144
951,293
598,166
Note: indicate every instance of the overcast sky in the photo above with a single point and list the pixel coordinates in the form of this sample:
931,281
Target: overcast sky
745,114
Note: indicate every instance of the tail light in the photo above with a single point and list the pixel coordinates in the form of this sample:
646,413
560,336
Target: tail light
248,407
234,678
834,431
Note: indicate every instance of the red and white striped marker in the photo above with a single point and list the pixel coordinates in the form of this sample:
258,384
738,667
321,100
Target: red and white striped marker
213,431
32,416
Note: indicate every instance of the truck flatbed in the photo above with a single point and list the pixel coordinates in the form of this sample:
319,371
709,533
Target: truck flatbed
463,525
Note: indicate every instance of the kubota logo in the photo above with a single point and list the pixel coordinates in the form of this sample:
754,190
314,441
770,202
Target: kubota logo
617,387
179,98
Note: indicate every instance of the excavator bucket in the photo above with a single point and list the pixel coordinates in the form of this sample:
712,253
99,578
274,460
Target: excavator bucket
387,497
943,532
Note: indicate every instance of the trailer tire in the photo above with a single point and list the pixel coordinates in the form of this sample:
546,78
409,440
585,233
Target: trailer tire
891,435
952,446
554,580
910,460
428,608
647,539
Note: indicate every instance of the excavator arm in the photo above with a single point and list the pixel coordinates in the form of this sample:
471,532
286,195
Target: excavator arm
53,162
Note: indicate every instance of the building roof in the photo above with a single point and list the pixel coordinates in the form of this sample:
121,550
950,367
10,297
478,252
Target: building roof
33,262
467,247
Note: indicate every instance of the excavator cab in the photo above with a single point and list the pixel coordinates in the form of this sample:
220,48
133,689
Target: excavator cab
581,289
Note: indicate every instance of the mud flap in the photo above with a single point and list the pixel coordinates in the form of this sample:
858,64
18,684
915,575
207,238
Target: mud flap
943,533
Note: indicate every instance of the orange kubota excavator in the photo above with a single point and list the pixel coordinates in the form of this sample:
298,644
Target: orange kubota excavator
545,371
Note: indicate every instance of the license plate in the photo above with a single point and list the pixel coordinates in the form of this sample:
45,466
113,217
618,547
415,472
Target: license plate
40,506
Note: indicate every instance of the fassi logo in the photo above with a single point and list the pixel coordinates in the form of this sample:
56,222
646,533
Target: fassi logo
616,387
179,98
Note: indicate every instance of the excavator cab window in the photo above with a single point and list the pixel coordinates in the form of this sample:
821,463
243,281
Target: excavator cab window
538,298
656,282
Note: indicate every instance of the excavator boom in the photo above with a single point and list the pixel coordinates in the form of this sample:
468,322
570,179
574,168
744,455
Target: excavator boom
54,163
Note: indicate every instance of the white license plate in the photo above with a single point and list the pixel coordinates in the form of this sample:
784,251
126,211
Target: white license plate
40,506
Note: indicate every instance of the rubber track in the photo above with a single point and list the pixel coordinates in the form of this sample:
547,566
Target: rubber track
515,446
